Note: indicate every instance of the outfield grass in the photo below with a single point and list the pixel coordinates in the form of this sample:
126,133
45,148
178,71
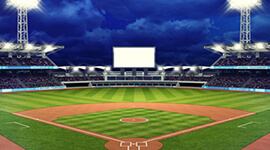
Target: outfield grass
223,136
107,122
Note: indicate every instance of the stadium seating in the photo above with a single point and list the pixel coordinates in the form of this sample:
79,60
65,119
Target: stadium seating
34,62
5,61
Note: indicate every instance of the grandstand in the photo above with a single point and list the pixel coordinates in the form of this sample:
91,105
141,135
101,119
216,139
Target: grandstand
27,69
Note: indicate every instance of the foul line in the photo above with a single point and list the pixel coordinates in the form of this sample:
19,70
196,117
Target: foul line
70,128
263,110
5,111
25,126
196,128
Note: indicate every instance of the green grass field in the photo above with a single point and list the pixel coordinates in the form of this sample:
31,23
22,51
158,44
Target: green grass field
160,122
224,136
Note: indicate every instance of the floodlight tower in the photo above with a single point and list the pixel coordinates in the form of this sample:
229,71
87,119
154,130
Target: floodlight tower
244,6
22,7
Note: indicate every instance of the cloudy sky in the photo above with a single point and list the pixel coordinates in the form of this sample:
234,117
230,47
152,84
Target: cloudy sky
177,28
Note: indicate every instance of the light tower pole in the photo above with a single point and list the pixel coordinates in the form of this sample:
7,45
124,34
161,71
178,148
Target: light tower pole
22,7
245,28
22,26
244,6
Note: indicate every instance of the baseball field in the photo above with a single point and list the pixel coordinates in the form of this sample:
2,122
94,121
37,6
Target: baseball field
134,118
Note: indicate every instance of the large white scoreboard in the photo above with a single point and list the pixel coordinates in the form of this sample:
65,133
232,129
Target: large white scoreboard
134,57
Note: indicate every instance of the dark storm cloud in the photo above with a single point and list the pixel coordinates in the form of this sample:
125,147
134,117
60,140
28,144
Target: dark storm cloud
90,28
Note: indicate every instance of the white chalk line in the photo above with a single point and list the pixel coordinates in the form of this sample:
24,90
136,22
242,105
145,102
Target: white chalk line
262,110
70,128
24,126
241,126
196,128
5,111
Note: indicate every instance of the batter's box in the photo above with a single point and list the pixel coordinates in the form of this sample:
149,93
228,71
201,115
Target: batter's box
141,144
125,144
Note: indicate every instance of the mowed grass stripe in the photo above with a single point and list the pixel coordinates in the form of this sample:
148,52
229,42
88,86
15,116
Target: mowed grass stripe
129,95
15,105
80,99
148,94
238,101
101,93
158,93
119,95
93,92
109,94
138,95
166,92
186,92
225,99
25,100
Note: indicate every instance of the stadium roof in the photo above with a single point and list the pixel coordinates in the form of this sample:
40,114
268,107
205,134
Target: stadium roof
235,49
29,48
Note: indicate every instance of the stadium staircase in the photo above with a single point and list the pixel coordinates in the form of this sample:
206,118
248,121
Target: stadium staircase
17,63
246,83
217,61
211,81
20,82
251,62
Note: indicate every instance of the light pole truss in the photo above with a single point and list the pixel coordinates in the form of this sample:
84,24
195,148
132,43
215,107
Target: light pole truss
245,27
22,27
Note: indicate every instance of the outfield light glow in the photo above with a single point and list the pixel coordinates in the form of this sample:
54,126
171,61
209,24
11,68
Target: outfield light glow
237,46
27,4
29,47
7,46
260,45
219,48
242,4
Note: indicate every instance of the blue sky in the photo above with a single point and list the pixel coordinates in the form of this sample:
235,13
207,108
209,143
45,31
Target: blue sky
178,28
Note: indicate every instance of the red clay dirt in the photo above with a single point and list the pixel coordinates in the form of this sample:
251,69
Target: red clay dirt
261,144
220,115
6,144
133,120
52,113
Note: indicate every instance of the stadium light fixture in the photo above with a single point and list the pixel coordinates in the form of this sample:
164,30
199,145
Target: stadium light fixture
91,68
237,46
29,47
7,46
22,7
160,68
219,48
260,45
48,48
244,6
176,68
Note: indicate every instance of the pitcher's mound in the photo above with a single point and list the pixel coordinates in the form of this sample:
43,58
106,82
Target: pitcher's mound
134,120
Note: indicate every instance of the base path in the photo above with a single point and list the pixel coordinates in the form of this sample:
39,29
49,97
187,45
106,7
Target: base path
261,144
52,113
218,114
6,144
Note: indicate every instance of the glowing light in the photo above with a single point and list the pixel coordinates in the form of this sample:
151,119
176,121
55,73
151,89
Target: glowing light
219,48
108,68
7,45
91,69
237,46
260,45
48,48
241,4
176,68
27,4
29,47
160,68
